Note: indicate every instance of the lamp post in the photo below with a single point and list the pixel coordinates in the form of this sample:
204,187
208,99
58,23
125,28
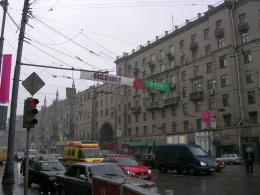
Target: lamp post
3,3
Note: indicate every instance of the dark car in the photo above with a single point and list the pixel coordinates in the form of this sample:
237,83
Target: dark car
44,174
190,159
78,178
147,160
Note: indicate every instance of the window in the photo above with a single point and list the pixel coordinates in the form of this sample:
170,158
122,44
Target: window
211,104
242,18
145,130
183,75
119,119
206,34
211,84
223,61
119,71
153,57
153,115
194,54
225,100
181,44
245,38
183,60
185,109
163,113
101,113
219,24
174,127
224,80
197,87
129,118
119,107
252,117
129,131
249,76
251,97
247,57
210,67
172,50
221,43
174,112
137,131
145,116
162,54
162,67
163,127
193,38
136,118
207,50
172,62
153,128
198,124
227,120
184,92
129,68
186,125
198,106
196,72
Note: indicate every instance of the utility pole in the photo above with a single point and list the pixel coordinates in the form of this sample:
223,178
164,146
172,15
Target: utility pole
8,177
3,3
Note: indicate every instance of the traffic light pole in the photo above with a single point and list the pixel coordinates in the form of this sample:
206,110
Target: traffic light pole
26,162
8,177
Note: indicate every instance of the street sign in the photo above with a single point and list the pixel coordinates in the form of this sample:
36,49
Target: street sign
163,87
33,83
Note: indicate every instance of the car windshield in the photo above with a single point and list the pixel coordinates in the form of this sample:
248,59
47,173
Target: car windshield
110,169
127,162
49,157
52,166
196,151
90,153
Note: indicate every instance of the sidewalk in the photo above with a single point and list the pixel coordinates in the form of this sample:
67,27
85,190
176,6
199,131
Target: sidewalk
17,188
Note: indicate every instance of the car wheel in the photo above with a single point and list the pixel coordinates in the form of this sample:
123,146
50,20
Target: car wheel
191,171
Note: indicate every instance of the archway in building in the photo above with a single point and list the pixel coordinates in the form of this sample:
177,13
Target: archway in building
106,137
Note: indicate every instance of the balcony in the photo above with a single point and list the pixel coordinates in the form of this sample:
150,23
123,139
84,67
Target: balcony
194,46
243,27
174,101
219,32
136,109
196,96
150,105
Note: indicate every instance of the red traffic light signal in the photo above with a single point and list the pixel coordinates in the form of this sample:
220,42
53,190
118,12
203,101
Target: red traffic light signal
30,112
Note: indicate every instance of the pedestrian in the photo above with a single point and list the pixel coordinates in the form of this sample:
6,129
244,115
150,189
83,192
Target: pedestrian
22,169
249,159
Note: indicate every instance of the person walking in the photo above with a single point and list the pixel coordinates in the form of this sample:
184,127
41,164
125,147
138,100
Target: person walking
249,158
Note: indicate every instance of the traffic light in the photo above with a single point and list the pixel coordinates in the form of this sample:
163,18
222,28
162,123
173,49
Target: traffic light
30,112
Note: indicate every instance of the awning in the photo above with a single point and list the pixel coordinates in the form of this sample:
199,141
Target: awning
137,144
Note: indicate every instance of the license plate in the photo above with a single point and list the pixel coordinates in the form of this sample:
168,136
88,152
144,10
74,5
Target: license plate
212,169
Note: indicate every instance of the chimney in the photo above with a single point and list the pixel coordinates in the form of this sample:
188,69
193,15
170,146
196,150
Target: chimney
148,42
157,38
141,46
133,50
199,15
176,27
187,21
210,7
125,54
166,33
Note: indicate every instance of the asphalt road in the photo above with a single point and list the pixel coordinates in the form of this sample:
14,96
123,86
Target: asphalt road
232,180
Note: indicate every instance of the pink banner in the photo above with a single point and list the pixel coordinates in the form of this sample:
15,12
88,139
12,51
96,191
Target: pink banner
206,118
5,79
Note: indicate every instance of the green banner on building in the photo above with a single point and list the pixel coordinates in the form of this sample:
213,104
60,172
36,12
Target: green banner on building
163,87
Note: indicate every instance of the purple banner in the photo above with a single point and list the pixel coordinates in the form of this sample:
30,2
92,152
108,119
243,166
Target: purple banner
5,78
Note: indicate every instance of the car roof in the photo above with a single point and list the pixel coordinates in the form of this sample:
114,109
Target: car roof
92,164
120,157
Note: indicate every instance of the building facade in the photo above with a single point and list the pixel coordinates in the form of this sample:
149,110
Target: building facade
212,66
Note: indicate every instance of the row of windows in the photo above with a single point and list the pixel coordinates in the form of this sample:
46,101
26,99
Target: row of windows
186,126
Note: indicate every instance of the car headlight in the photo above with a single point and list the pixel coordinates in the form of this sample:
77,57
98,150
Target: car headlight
149,171
52,178
130,173
203,164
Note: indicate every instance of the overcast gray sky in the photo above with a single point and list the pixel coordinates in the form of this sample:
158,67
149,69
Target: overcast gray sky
59,31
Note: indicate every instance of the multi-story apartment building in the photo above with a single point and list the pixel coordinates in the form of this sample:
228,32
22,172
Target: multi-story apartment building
211,64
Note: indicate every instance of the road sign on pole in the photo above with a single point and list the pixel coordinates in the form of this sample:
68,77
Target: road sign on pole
33,83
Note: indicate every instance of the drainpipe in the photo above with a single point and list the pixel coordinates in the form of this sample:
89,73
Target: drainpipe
237,63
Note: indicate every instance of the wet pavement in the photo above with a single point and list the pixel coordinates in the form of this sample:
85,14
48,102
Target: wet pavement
232,180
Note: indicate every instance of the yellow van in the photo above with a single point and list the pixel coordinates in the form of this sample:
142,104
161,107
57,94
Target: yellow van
3,154
77,151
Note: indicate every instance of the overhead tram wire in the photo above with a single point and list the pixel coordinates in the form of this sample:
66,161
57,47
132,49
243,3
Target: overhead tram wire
61,34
